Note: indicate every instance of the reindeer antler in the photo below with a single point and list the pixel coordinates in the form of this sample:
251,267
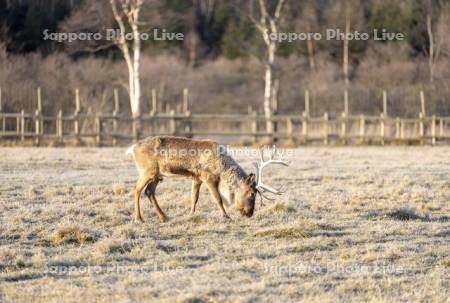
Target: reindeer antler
260,186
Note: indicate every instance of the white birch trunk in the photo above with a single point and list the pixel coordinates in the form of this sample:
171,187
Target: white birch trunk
135,74
268,89
130,11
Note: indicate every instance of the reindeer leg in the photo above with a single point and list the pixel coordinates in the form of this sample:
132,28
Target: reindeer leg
213,189
144,179
196,183
150,193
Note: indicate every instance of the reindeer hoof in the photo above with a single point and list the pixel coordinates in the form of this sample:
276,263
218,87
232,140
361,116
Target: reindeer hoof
138,220
163,219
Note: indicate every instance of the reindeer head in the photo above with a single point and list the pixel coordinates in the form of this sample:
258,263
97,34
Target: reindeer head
253,185
245,196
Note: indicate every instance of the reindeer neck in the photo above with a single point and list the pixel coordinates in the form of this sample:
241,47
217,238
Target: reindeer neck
231,173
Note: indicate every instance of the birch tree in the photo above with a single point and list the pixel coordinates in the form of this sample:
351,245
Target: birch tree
438,38
126,14
345,51
267,24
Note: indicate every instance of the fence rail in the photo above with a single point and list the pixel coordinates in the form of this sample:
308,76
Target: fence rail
115,129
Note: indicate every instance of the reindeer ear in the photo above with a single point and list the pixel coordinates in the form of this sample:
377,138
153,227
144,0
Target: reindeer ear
251,179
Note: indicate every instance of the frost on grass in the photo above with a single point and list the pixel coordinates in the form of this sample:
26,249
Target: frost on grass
406,214
355,224
298,231
72,235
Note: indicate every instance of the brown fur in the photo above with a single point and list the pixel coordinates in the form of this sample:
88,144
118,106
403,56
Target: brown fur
158,157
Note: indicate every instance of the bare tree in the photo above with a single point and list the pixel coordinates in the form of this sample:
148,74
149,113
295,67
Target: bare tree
3,41
310,48
349,14
90,16
128,15
345,45
438,37
268,24
199,20
307,22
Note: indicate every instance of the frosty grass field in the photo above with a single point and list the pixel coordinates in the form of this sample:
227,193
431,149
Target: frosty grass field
356,223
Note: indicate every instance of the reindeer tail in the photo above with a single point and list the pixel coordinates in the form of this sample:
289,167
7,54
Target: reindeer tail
130,150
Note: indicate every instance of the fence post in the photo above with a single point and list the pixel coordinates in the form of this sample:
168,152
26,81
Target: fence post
289,129
402,130
154,102
422,117
153,111
362,128
76,123
441,127
98,129
344,119
3,118
382,130
172,123
22,125
271,133
39,100
115,114
36,127
188,126
59,128
397,129
385,103
433,130
249,120
187,113
343,127
307,101
185,99
346,101
38,124
325,128
18,126
304,127
254,126
421,128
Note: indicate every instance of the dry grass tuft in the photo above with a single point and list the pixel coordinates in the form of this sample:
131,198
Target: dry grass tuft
295,232
111,246
72,235
118,189
406,214
125,231
283,208
195,299
196,219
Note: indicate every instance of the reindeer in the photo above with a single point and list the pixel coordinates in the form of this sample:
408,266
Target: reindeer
205,162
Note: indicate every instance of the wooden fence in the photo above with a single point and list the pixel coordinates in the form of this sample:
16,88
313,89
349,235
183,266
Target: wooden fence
110,129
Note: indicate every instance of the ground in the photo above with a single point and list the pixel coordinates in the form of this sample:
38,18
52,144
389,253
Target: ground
355,223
